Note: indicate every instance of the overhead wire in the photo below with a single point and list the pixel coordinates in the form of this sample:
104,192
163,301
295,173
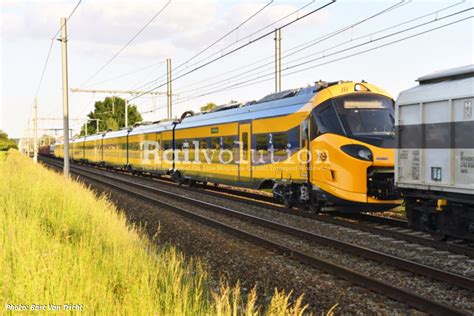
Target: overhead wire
238,48
127,43
220,52
254,81
327,49
335,46
51,48
226,34
129,73
249,36
318,40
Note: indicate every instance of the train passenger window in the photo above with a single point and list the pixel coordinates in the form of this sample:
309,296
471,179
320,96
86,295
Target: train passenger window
280,142
178,144
216,143
203,143
327,120
228,142
166,144
261,142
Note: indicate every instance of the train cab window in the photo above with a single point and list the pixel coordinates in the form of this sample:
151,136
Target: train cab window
313,128
326,119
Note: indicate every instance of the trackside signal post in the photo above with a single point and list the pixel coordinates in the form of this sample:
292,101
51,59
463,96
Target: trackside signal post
63,40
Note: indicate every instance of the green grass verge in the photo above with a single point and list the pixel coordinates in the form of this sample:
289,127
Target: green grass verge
61,244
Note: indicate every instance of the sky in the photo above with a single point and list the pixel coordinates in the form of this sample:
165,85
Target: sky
99,29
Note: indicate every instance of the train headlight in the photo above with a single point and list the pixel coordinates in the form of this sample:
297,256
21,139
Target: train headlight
358,151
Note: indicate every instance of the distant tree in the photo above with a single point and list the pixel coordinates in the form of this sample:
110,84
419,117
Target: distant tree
111,115
5,142
208,107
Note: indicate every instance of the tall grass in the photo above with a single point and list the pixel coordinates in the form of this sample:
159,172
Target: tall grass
61,244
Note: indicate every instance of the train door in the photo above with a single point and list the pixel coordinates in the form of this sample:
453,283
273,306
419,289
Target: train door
245,167
304,156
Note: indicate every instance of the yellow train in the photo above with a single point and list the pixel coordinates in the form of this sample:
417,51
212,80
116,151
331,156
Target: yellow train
327,144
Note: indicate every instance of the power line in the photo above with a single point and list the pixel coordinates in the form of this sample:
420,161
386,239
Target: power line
351,40
129,73
220,51
209,46
255,32
313,42
247,83
51,48
241,47
127,44
226,34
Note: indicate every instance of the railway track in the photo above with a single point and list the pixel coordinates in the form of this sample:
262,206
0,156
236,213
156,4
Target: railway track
148,193
383,226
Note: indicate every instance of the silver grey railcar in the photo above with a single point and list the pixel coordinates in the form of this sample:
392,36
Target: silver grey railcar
434,163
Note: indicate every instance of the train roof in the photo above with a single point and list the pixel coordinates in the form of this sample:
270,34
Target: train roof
119,133
94,136
450,84
277,104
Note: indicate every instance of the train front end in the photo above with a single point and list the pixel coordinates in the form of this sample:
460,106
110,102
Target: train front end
352,139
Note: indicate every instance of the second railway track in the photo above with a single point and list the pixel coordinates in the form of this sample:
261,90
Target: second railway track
279,240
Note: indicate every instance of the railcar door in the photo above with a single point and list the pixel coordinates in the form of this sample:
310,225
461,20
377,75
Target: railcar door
244,153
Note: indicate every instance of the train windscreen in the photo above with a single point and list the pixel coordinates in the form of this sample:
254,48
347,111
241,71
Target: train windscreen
367,117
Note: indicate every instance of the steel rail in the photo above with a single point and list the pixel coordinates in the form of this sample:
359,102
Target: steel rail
404,264
399,294
370,254
326,218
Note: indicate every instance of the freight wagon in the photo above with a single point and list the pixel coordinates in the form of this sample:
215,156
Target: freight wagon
435,152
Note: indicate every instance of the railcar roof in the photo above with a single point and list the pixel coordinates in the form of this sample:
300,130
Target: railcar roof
437,91
113,134
257,110
453,73
94,137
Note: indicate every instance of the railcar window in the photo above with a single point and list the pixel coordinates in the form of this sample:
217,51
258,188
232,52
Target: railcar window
216,143
166,144
280,142
327,120
228,142
366,114
313,128
261,142
203,143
